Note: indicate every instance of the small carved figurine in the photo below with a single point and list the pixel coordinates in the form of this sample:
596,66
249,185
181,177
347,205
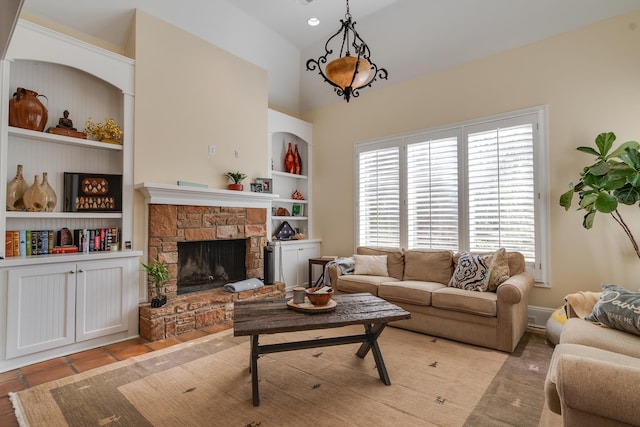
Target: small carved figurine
65,122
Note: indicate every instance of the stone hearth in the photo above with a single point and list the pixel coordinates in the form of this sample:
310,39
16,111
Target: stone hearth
198,310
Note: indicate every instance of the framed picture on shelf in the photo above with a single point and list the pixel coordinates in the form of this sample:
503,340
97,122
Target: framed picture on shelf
296,210
266,184
92,192
256,188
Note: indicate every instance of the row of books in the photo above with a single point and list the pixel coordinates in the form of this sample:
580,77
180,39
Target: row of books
22,243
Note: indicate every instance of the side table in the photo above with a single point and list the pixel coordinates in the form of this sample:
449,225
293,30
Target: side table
322,261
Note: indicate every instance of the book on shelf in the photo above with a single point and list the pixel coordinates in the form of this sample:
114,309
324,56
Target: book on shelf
8,244
23,242
66,249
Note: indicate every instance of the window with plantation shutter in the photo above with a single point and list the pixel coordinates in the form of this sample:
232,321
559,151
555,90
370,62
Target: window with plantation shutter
432,193
379,197
477,186
501,189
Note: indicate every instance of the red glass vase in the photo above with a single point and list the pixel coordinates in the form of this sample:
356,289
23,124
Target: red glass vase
289,161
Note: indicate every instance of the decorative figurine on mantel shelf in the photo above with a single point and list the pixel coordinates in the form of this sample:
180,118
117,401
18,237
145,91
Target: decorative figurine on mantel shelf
297,195
65,127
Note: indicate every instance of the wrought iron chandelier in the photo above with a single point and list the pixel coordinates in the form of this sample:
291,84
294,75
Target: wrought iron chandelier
352,69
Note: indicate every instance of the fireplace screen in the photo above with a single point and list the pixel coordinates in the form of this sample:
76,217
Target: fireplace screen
210,264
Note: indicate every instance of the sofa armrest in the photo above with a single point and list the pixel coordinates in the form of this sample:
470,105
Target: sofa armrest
598,387
515,289
334,272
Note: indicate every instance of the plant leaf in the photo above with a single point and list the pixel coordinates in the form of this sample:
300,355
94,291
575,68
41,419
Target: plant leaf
634,145
565,199
600,168
631,157
587,222
595,181
606,203
627,195
588,150
614,184
588,199
605,141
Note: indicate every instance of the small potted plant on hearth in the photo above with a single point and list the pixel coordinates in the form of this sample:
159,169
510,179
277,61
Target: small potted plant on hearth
237,178
159,275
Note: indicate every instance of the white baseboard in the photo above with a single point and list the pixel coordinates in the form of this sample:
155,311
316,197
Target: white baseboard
538,316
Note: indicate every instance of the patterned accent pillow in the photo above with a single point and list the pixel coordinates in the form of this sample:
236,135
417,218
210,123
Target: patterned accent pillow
498,269
472,273
617,308
371,265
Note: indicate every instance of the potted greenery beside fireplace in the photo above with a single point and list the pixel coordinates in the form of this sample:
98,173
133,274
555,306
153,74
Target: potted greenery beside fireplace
158,273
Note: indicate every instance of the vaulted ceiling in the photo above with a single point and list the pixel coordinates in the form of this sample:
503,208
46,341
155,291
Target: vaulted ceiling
409,38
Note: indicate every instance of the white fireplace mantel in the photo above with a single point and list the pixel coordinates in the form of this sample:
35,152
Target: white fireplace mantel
167,194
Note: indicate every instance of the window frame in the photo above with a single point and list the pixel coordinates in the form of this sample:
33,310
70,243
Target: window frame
541,269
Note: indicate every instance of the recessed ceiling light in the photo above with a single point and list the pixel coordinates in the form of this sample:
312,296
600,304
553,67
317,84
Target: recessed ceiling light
313,22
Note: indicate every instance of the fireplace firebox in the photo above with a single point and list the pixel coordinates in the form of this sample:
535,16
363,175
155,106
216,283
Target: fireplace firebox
210,264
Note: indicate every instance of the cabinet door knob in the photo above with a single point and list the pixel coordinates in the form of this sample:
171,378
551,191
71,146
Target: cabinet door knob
72,272
81,271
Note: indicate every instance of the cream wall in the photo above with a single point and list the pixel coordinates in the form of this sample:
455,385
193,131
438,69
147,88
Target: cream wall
590,80
189,94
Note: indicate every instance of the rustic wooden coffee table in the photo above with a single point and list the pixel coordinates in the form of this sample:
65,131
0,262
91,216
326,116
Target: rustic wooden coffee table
257,318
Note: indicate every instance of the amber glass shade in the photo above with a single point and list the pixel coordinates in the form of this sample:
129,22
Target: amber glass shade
340,71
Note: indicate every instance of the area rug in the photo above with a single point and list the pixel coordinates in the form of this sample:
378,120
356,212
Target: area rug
206,382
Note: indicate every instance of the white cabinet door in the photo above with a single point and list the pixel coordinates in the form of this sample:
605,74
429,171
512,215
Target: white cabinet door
289,266
101,299
292,262
40,308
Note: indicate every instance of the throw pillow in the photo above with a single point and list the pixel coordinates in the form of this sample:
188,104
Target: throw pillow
371,265
471,273
617,308
498,269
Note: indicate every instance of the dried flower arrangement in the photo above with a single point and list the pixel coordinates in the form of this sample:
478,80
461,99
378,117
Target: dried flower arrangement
107,132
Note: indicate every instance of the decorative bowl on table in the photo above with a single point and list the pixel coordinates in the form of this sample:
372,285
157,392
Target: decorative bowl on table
319,298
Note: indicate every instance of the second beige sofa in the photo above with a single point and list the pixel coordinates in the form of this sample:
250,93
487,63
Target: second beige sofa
418,282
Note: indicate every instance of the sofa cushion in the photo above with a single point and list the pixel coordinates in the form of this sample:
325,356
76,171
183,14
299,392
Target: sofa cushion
353,283
471,273
395,258
498,269
410,292
480,303
617,308
371,265
578,331
514,259
428,265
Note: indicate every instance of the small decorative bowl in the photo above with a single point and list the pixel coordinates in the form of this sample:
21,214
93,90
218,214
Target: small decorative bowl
319,299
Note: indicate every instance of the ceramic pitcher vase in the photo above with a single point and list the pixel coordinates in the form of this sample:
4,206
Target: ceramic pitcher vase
15,191
26,111
35,198
52,198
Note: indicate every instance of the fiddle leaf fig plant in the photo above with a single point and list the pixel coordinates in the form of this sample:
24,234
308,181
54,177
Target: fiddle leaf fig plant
612,179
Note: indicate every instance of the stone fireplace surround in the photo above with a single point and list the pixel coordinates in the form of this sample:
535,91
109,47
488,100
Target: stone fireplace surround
177,214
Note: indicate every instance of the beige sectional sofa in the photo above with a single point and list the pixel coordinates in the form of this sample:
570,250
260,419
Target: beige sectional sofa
418,282
594,375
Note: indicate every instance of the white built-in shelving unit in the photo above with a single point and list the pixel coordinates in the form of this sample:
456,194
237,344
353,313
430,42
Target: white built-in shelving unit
292,256
56,304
